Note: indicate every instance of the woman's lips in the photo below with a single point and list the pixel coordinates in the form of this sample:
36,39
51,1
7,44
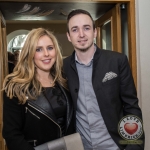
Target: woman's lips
46,61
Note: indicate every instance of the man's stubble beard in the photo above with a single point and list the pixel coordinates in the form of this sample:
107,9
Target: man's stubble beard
83,49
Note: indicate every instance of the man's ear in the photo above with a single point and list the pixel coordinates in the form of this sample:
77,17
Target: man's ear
68,36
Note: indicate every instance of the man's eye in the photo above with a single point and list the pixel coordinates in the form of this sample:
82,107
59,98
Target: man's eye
74,30
50,48
38,49
87,28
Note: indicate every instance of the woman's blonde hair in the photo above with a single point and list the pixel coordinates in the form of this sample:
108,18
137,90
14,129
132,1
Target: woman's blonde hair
23,80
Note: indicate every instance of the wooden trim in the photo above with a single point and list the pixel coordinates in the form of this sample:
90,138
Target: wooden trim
116,21
35,21
1,66
98,42
3,70
72,1
1,80
112,33
99,23
5,54
107,16
132,39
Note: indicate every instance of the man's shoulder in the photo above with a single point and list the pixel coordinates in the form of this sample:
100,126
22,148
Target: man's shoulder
67,59
112,54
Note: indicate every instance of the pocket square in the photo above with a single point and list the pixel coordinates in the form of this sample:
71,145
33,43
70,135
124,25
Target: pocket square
109,75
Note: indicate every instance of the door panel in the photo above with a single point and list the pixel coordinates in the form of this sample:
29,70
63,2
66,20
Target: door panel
109,26
106,35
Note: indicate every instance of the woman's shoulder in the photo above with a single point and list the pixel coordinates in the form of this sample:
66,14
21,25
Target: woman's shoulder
10,101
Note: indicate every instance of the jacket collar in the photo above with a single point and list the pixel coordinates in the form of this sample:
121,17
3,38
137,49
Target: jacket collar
73,63
42,105
96,57
69,106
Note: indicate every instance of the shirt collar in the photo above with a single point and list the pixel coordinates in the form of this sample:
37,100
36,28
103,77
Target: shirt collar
76,58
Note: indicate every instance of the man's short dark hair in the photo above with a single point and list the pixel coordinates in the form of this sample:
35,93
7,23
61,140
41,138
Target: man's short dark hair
77,12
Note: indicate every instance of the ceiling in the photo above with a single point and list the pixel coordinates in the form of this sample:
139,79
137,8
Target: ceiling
48,11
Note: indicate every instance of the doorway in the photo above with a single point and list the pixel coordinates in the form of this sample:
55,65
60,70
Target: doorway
107,24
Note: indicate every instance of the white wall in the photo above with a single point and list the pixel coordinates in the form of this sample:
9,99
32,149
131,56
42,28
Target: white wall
14,34
143,62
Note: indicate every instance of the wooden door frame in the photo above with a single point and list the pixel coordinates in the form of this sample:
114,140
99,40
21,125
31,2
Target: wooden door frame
3,70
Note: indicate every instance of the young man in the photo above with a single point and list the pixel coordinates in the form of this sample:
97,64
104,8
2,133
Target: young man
103,90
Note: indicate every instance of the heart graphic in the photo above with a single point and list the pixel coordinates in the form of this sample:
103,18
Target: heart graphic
131,128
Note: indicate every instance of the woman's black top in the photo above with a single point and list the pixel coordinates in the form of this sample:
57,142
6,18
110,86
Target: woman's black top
58,103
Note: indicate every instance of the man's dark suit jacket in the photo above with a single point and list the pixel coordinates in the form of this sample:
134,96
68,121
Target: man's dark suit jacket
116,97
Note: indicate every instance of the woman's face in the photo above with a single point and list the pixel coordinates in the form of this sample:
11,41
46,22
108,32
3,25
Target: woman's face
45,55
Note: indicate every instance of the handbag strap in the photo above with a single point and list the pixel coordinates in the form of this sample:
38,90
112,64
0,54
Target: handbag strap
58,144
70,142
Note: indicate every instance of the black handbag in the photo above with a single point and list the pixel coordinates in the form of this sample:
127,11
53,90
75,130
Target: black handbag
70,142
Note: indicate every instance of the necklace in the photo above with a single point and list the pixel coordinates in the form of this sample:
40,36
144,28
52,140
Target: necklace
46,82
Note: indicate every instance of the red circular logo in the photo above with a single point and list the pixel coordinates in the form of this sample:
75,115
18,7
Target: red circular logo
130,127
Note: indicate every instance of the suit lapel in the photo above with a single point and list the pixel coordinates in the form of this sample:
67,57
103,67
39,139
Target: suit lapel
75,82
97,77
97,74
73,63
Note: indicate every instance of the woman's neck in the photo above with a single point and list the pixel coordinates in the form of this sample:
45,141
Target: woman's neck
45,79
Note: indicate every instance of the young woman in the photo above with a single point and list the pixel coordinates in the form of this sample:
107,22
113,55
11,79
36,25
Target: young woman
37,106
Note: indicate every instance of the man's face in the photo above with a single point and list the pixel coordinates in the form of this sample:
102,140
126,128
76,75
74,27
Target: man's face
81,33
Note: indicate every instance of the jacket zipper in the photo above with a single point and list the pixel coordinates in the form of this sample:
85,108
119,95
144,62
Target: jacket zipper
68,121
46,116
27,109
33,141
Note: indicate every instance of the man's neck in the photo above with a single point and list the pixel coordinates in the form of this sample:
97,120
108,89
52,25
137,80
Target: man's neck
85,57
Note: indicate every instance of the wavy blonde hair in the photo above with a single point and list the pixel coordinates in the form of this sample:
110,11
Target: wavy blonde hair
23,80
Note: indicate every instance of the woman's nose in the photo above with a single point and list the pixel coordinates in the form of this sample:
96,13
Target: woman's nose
46,52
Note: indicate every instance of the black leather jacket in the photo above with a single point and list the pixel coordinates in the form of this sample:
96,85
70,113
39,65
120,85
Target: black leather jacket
37,123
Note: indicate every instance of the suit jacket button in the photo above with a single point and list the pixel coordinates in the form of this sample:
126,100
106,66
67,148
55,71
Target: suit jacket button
76,90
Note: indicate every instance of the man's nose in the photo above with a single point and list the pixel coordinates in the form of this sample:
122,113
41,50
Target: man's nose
81,33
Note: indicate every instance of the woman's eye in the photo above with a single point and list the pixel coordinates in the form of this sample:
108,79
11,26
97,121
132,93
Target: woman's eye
38,49
50,48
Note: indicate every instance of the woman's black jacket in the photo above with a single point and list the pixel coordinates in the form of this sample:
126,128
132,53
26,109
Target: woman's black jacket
32,124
